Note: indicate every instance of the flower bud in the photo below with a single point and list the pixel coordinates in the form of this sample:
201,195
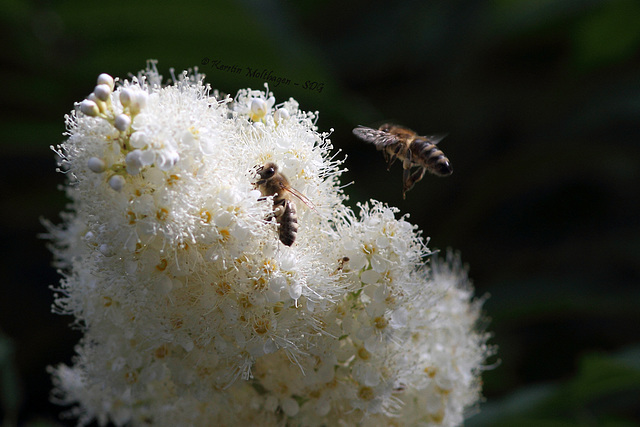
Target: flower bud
106,79
125,97
89,108
116,182
102,106
122,122
96,165
102,92
281,115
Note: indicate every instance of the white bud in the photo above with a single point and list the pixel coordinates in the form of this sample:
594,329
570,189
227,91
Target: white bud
90,239
258,108
96,165
281,115
102,106
130,267
106,250
122,122
89,108
289,406
271,403
117,182
106,79
163,285
125,97
323,406
102,92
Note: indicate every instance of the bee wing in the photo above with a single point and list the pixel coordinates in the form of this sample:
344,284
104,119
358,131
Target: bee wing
435,139
301,197
378,137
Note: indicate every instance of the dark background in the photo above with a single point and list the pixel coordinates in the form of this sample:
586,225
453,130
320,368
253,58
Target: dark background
541,101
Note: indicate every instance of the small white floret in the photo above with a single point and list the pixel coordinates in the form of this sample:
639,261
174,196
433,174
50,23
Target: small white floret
116,182
258,109
134,162
96,165
138,102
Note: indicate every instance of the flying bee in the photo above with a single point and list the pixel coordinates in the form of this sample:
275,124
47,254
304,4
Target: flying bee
414,151
274,183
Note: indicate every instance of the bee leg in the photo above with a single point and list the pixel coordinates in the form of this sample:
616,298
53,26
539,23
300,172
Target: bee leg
279,208
406,174
407,162
410,179
391,159
269,216
278,211
417,176
405,180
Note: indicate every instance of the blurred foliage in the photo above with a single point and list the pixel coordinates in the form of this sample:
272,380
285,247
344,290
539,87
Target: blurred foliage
604,392
541,100
10,393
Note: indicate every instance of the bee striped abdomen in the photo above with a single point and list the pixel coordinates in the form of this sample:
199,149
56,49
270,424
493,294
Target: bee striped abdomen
432,158
288,224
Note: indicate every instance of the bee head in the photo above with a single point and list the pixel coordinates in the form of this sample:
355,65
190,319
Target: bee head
267,171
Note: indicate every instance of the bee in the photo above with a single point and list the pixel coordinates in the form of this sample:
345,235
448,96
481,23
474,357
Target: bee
414,151
341,264
274,183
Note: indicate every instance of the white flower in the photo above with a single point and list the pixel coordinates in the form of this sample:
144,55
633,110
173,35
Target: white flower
255,104
194,313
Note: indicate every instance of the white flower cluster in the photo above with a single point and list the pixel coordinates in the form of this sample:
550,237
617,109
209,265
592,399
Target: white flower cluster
193,311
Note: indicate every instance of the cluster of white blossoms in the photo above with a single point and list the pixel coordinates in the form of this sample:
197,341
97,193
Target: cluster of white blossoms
194,312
